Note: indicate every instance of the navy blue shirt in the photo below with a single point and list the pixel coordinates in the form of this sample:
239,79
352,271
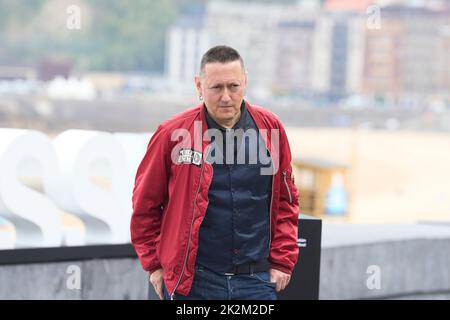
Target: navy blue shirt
236,227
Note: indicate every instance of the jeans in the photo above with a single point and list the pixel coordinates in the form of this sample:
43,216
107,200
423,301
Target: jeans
210,285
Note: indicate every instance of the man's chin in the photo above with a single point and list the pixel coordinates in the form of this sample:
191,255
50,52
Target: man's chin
227,109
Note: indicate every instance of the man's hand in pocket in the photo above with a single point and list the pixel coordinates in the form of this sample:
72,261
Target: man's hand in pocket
156,279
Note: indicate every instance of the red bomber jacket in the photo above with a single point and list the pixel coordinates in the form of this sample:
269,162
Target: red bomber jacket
170,197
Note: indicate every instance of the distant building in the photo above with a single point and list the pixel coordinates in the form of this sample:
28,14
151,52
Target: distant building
17,73
382,70
338,52
52,68
187,40
445,33
251,28
293,70
409,54
329,51
347,5
71,89
274,41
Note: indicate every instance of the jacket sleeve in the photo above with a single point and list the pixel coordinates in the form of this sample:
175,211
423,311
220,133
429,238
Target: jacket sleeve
284,249
149,195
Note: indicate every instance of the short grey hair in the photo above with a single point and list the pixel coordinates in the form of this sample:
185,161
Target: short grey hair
222,54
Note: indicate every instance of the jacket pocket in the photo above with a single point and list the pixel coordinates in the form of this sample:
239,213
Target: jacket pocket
288,180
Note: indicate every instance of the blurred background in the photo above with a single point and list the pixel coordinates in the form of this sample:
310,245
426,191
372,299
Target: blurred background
363,88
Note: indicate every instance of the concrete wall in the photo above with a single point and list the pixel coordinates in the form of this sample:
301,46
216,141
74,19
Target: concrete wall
413,263
100,279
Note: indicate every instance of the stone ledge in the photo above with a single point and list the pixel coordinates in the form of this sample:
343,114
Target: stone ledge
100,279
412,261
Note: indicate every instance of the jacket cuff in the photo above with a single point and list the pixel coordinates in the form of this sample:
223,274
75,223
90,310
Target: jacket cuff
153,269
280,268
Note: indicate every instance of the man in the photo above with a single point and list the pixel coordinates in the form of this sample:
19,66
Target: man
215,206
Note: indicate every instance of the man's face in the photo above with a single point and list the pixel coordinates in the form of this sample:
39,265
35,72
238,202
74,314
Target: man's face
222,86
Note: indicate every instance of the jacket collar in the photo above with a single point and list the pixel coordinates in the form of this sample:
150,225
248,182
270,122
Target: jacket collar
259,121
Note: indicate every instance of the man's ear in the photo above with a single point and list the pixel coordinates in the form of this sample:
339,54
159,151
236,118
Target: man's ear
198,85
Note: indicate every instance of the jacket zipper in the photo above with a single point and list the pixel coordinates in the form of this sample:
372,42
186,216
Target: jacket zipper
271,201
270,215
287,187
190,233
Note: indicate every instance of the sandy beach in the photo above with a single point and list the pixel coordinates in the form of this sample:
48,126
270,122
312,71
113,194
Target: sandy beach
395,176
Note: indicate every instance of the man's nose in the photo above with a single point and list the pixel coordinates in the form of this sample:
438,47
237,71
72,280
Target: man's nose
225,96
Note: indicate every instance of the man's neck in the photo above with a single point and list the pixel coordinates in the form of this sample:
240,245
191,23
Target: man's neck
230,123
